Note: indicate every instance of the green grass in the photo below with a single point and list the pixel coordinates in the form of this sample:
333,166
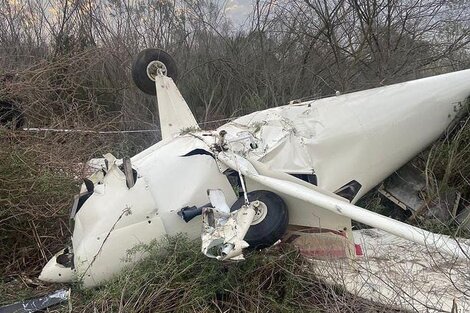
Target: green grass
176,277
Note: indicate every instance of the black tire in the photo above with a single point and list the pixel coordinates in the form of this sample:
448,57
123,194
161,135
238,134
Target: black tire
139,68
273,226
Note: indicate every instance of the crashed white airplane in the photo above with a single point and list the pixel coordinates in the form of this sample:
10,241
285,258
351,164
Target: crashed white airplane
251,181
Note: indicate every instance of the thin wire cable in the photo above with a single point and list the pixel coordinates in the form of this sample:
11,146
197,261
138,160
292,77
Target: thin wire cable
90,131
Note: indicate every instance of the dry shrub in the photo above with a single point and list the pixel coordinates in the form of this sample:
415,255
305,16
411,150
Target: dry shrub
41,170
34,194
40,174
89,89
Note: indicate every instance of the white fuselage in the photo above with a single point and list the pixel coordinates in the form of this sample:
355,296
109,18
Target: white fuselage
362,136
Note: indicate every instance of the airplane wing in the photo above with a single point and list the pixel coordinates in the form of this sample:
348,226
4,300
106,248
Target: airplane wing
286,185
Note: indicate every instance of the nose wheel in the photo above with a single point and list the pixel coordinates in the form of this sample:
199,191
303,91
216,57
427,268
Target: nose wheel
270,221
148,64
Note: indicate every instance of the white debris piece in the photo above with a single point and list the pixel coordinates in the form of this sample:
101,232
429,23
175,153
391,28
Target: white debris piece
399,273
223,232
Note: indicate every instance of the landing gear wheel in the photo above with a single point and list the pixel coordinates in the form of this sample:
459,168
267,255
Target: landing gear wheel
146,66
270,221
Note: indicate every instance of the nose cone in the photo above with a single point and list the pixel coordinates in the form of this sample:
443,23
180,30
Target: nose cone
55,272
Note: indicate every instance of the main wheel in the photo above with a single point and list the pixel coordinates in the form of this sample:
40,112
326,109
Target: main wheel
270,221
146,66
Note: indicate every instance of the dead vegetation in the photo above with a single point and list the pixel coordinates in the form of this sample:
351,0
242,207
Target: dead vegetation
176,277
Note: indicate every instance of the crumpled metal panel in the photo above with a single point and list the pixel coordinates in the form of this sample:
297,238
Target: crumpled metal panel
223,231
363,136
